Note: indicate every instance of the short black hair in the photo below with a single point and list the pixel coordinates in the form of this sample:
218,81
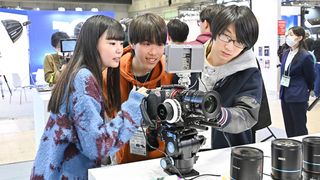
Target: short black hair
245,22
178,30
209,12
148,27
56,37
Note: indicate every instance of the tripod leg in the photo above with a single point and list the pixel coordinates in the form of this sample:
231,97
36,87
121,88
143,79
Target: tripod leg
1,90
5,79
272,135
20,95
25,95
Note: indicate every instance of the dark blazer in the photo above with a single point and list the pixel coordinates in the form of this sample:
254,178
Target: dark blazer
301,77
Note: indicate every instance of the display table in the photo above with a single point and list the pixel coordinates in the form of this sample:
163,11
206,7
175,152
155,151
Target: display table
40,113
209,162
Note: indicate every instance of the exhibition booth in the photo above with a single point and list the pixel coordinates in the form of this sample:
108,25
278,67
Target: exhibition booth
23,52
26,38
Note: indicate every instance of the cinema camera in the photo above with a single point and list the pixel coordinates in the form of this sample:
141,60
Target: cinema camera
177,112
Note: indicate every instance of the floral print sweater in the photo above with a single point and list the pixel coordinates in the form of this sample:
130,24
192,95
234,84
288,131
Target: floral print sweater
74,142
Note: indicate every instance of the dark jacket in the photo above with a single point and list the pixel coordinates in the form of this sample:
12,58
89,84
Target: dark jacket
241,92
239,83
301,77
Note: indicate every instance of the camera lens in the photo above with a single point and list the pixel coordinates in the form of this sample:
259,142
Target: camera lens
246,163
165,111
311,157
205,103
169,110
286,159
210,104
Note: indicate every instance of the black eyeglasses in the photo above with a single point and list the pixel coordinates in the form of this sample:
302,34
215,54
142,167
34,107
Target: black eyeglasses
227,39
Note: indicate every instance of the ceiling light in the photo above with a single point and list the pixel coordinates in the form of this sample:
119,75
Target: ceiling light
78,9
94,9
61,9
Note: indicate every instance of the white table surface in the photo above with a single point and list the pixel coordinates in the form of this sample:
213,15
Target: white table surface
209,162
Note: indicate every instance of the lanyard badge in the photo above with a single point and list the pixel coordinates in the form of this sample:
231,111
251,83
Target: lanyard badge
285,81
138,144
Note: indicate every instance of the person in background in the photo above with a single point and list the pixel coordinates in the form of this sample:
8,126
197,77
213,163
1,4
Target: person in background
78,134
77,29
125,25
297,78
231,70
316,52
143,65
309,47
309,44
54,63
177,31
205,22
284,47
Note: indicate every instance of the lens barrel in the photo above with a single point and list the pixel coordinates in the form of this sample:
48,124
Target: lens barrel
311,157
286,157
206,103
246,163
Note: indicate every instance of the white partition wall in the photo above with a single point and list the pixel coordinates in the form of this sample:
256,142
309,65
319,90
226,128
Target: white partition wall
268,13
14,53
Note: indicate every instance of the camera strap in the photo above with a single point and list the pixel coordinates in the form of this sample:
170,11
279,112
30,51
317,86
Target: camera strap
138,144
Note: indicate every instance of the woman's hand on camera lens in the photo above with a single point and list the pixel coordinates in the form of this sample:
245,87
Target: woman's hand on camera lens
143,90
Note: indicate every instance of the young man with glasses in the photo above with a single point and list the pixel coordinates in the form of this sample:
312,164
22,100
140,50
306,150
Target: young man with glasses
231,70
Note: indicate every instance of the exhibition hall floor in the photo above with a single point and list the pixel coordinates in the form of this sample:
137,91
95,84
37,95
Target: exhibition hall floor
18,142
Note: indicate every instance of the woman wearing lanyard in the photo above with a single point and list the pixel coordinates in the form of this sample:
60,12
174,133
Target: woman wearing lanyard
297,77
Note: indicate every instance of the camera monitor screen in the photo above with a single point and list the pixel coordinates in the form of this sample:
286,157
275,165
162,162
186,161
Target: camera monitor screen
68,45
184,58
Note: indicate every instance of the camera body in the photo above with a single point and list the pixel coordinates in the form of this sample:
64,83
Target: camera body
177,113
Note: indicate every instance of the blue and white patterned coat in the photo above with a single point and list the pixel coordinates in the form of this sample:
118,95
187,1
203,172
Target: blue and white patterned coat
72,143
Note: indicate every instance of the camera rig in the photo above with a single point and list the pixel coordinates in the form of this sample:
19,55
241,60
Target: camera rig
177,113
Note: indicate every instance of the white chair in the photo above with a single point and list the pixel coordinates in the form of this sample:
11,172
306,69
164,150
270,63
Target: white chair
17,84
